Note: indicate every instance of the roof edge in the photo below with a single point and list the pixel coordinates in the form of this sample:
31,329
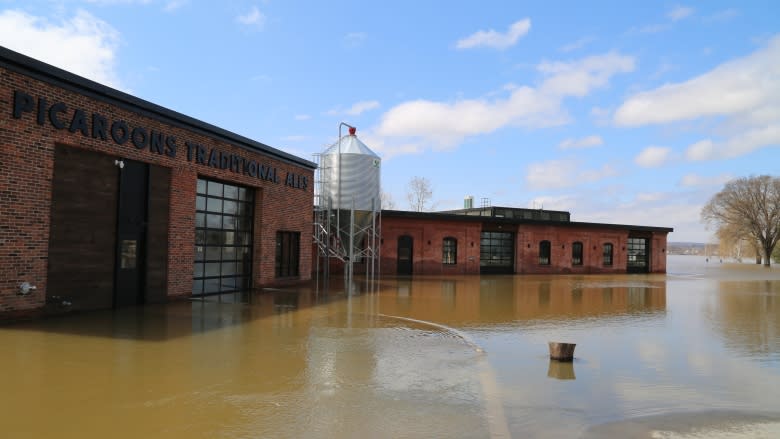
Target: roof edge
50,74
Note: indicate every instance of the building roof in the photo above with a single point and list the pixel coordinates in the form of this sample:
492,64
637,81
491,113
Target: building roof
25,65
461,217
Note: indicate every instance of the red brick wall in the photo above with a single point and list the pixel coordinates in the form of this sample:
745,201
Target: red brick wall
592,239
428,238
428,235
26,169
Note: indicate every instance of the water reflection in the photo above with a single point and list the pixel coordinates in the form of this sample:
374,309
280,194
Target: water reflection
747,315
472,300
396,359
561,370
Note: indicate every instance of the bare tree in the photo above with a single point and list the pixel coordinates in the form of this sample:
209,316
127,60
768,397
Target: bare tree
750,208
386,201
419,195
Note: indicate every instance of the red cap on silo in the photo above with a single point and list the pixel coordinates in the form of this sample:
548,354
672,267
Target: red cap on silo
352,131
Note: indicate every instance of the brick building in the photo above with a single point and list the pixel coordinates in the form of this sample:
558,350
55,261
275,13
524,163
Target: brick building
108,200
510,240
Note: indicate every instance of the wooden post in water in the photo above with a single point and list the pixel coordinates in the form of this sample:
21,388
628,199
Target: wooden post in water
562,351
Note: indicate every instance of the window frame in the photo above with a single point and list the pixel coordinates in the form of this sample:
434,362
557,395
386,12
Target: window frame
545,253
607,256
577,257
449,251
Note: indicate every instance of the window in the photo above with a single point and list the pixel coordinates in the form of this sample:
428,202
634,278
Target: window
223,238
544,253
637,253
576,253
607,254
449,251
287,253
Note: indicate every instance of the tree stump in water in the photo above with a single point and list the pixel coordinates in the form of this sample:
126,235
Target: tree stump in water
562,351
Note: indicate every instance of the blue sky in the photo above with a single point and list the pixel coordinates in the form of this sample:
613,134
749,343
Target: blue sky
619,112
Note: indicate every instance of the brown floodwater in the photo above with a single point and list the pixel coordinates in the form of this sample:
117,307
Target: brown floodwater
693,353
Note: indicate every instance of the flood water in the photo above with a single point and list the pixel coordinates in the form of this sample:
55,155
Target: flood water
694,353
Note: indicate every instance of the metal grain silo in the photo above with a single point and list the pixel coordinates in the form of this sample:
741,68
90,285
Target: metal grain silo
351,175
348,202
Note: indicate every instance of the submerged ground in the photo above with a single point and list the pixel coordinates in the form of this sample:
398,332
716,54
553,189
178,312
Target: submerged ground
691,354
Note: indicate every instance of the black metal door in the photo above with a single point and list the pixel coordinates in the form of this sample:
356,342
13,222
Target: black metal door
405,247
131,234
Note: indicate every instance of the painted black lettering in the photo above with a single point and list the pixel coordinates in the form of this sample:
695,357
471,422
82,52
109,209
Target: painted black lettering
170,146
224,161
156,142
79,123
23,103
99,126
59,107
305,182
214,158
200,155
139,137
120,132
43,104
190,148
252,168
290,180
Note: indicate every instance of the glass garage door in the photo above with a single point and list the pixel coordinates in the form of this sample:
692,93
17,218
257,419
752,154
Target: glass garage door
223,238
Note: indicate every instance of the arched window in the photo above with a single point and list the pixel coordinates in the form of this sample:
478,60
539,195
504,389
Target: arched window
607,252
449,251
576,253
544,253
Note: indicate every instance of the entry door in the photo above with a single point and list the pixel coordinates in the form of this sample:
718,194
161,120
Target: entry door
131,234
405,247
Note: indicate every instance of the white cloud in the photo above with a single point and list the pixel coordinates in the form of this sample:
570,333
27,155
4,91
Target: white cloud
694,180
743,93
579,44
701,150
496,40
356,109
647,197
361,107
252,18
581,77
548,202
443,125
170,5
667,210
585,142
679,12
173,5
563,173
653,156
302,117
83,44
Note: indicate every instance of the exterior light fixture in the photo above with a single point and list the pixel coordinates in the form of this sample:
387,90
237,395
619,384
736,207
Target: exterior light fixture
25,288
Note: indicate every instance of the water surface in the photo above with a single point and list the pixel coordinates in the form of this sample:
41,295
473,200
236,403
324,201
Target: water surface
694,353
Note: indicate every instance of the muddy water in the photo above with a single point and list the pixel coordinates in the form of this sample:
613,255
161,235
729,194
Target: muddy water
694,353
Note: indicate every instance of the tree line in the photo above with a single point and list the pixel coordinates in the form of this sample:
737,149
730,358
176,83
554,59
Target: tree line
747,211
